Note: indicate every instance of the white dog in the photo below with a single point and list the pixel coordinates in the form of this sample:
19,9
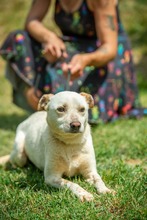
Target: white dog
58,141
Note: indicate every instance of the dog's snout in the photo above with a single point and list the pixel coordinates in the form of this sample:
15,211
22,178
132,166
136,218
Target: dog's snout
75,126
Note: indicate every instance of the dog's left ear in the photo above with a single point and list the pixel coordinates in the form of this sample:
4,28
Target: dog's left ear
43,102
88,98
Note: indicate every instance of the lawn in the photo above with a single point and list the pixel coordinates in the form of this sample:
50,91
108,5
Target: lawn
120,148
121,155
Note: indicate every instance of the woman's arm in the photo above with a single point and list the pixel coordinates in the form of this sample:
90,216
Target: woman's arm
35,16
52,45
106,27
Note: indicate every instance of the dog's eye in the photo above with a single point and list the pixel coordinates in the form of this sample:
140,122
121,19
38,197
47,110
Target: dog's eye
82,109
61,109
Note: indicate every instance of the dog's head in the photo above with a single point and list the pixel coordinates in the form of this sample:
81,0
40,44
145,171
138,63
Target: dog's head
67,111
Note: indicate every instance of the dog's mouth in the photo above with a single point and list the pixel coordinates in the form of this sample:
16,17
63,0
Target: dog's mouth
72,131
75,131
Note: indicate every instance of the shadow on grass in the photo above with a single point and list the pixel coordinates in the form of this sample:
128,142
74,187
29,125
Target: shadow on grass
10,122
30,177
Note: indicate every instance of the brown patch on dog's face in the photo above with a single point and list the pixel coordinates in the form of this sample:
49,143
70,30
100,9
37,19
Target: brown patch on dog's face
43,102
89,99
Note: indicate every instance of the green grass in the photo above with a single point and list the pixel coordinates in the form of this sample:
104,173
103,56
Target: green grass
120,148
121,155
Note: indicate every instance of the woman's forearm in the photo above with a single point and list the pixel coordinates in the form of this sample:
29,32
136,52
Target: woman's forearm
38,31
34,19
101,56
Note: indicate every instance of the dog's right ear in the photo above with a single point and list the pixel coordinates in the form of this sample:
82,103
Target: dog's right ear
43,102
89,99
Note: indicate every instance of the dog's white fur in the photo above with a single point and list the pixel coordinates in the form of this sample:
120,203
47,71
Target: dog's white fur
58,141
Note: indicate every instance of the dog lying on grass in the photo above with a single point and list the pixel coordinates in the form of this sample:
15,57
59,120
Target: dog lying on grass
57,140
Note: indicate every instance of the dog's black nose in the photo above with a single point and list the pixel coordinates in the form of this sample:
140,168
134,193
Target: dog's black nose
75,126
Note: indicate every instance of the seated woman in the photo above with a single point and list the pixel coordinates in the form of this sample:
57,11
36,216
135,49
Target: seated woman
93,55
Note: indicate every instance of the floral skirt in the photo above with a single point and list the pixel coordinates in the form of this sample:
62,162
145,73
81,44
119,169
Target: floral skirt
113,86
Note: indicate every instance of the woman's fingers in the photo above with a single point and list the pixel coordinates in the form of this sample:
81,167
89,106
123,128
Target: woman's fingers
65,68
75,70
55,48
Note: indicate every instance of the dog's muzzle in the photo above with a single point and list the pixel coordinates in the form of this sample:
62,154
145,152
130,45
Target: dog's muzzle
75,126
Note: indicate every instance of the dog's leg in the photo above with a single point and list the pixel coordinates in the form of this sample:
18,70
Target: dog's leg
95,179
58,182
18,156
4,160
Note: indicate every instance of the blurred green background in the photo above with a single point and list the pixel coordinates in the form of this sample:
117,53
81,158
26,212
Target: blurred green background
133,15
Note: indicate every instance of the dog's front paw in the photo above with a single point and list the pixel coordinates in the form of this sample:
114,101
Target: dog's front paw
113,192
85,196
106,190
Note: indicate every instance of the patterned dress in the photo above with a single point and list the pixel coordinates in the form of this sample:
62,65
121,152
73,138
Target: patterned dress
113,86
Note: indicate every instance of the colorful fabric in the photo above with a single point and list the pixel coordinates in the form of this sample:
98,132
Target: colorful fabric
113,87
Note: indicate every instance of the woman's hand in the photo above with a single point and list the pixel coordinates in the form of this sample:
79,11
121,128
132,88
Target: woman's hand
54,48
76,66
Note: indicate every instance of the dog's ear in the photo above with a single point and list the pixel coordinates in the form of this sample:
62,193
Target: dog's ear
88,98
44,100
